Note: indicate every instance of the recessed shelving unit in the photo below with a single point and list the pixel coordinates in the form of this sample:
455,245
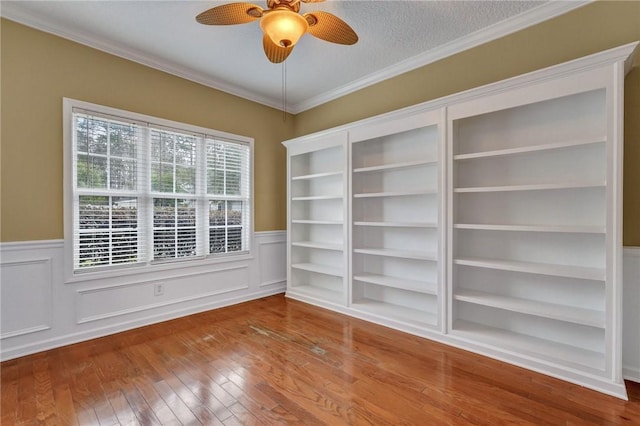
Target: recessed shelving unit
489,219
395,233
532,179
317,214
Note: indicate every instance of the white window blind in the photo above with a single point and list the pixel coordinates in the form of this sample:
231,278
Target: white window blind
145,193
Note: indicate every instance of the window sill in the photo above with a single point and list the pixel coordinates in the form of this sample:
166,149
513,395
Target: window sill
141,270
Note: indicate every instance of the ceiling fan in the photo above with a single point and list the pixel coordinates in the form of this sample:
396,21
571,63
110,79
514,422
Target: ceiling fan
282,24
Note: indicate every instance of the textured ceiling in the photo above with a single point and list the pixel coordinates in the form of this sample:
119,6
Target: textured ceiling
395,36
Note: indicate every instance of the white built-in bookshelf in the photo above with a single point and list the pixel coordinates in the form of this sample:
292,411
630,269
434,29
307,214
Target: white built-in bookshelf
395,216
532,184
489,220
317,252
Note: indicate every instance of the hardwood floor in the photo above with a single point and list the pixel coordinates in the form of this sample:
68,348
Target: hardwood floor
277,361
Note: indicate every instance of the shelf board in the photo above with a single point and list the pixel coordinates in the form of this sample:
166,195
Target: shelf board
405,314
417,255
391,166
320,269
317,197
533,228
568,271
395,193
400,283
318,245
397,224
316,175
530,148
318,293
317,222
553,311
529,346
533,187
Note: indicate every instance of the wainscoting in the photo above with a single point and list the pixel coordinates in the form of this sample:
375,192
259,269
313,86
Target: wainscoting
631,315
40,311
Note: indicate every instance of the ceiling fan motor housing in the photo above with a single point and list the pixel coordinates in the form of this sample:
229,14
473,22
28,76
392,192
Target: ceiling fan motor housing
293,5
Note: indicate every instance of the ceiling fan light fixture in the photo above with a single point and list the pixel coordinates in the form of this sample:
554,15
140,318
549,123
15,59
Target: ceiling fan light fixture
284,27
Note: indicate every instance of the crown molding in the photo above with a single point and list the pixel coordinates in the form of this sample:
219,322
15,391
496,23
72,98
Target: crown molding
526,19
11,11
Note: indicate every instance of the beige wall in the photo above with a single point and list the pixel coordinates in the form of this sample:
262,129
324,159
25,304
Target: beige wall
589,29
38,70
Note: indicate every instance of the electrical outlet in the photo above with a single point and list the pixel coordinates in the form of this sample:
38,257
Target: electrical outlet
158,289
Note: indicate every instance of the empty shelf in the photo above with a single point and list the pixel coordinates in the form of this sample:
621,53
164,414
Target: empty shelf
533,228
317,222
554,311
316,292
398,253
317,197
533,187
568,271
528,345
425,287
399,165
320,269
318,245
316,175
530,148
395,193
405,314
397,224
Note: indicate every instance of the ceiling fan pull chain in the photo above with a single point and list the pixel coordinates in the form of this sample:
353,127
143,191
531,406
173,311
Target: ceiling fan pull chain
284,90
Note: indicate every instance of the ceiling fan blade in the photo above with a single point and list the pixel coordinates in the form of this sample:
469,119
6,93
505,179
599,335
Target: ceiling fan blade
230,14
329,27
275,53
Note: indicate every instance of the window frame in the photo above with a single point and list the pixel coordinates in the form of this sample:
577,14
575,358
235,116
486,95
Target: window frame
73,275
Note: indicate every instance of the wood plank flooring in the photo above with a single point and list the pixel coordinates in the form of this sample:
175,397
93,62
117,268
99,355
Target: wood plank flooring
278,361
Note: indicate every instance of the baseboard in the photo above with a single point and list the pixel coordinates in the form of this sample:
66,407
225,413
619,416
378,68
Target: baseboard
632,374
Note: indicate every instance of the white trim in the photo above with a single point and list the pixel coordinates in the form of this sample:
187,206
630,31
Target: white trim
31,245
625,53
631,251
68,324
48,263
631,371
83,320
70,274
532,17
14,13
82,336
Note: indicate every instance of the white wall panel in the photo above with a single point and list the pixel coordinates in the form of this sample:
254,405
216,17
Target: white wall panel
40,311
631,315
270,252
118,300
26,288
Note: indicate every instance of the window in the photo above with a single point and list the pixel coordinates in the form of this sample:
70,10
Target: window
147,191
